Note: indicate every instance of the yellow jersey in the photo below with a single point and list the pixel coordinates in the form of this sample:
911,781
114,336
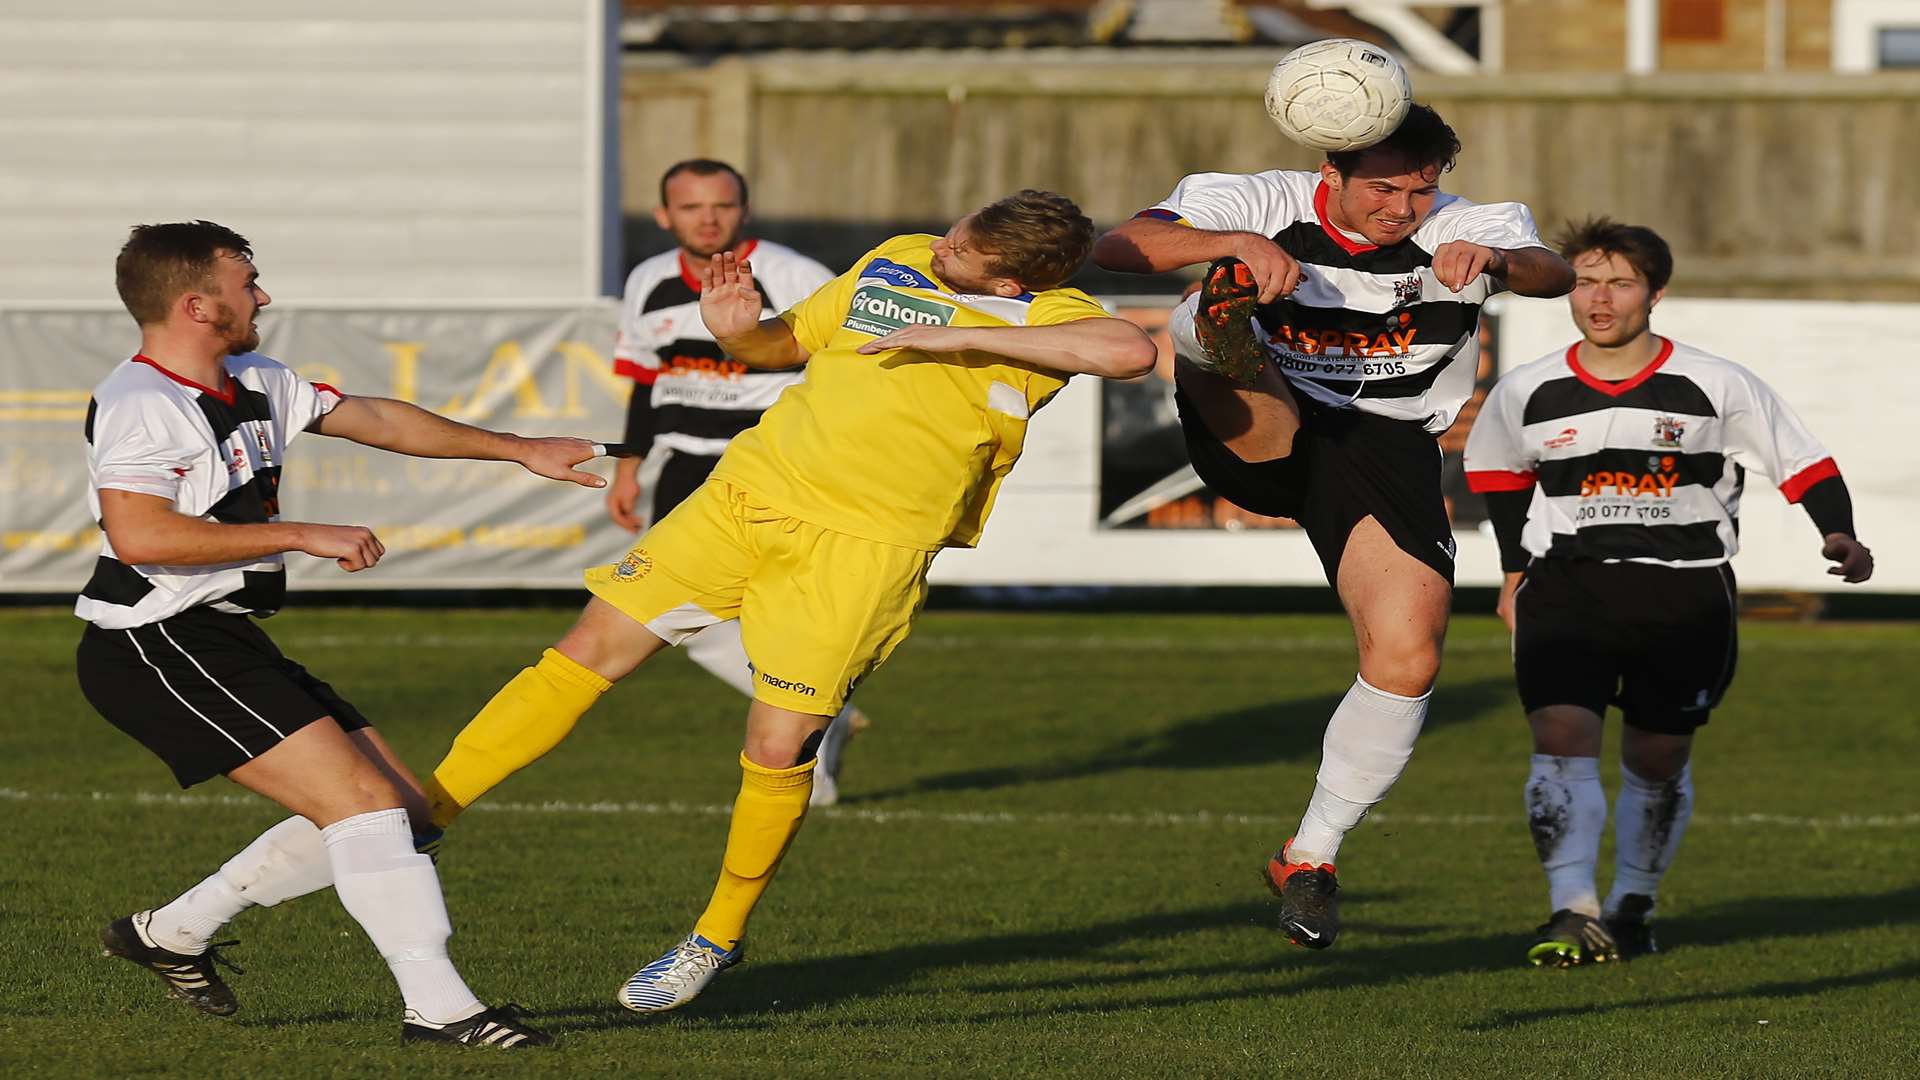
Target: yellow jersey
905,446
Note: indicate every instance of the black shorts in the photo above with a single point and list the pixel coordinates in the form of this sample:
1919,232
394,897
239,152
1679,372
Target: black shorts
205,691
1345,466
679,475
1657,642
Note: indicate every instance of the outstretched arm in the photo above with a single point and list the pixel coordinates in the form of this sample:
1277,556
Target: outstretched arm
409,429
1108,347
1529,271
1147,245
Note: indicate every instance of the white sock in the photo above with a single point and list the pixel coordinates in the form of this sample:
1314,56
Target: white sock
188,924
1567,812
286,861
718,648
1367,745
1649,817
394,894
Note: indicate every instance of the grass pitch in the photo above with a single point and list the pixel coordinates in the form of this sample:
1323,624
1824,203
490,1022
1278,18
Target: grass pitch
1046,864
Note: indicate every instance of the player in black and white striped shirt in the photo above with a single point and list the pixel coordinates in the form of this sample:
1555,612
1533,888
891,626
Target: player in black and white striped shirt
1613,473
690,398
185,444
1334,336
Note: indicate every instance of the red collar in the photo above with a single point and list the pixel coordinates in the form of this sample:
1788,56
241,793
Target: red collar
1347,244
690,273
1615,389
226,394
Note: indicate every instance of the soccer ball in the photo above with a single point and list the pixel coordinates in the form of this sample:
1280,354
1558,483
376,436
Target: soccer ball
1338,94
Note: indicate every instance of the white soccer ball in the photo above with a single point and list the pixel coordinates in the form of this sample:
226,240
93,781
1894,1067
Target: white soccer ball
1338,94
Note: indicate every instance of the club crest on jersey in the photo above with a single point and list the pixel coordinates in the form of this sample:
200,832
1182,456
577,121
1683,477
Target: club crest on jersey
1406,290
634,567
1667,431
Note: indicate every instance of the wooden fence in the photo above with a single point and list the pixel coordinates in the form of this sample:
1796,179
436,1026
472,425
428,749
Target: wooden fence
1801,185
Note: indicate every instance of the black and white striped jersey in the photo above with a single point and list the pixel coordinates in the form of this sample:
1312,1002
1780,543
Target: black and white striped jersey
1649,469
690,395
216,453
1369,328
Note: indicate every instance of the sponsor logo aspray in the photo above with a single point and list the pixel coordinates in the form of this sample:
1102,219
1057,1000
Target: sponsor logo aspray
1310,341
1658,484
681,366
879,311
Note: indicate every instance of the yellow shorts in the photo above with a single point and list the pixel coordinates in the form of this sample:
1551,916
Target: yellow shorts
819,610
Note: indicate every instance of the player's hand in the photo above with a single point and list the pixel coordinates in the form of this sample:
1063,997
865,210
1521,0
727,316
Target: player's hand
730,305
352,546
555,459
925,338
1856,561
1459,263
1276,272
624,494
1509,588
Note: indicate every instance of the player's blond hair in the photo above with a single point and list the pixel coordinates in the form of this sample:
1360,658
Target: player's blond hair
161,262
1037,238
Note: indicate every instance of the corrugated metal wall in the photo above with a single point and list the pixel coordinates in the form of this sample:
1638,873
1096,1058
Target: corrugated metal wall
427,150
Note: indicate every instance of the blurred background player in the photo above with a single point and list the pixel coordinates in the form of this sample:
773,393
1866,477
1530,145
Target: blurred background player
1334,337
1613,473
185,446
690,398
816,530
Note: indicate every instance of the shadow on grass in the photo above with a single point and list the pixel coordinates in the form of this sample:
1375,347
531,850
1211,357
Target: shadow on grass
1787,917
1784,989
753,996
761,996
1286,731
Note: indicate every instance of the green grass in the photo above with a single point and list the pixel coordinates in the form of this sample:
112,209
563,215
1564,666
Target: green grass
1046,865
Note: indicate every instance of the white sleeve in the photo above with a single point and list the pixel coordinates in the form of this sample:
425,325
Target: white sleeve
1764,434
295,402
135,452
808,275
634,354
1497,456
1506,226
1229,202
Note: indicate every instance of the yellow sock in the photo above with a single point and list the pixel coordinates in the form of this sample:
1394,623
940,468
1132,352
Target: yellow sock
766,817
527,718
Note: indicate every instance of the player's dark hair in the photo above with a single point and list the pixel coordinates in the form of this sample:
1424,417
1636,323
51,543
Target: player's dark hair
1422,141
702,167
1643,248
160,262
1037,238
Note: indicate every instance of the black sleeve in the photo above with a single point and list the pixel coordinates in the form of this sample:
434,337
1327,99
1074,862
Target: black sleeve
1508,512
640,416
1830,506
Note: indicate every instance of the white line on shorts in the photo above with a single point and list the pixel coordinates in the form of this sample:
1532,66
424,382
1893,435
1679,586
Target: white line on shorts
1161,819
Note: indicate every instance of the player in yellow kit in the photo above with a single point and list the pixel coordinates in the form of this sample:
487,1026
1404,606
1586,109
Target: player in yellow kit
924,363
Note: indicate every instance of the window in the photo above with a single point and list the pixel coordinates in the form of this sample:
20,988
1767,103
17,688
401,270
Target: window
1899,47
1869,35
